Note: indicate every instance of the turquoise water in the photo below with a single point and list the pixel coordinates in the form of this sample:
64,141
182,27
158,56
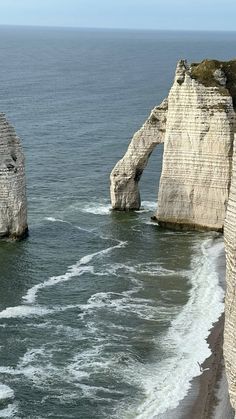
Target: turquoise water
102,315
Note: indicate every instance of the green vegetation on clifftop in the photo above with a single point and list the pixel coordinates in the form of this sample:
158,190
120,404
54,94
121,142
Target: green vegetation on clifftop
204,73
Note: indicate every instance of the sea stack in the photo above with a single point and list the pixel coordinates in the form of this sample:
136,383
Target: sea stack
13,205
196,124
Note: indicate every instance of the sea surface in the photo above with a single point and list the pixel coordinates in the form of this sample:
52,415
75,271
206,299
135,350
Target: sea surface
102,314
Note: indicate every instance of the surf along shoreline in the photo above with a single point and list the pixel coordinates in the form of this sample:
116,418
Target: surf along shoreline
208,396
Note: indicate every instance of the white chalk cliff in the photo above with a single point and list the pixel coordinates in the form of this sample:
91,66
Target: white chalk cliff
13,207
230,300
196,125
198,181
194,185
127,172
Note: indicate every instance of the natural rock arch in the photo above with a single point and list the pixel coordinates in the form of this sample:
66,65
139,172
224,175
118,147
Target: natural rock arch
125,176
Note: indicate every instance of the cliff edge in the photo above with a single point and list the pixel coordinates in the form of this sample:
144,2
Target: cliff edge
195,179
196,124
13,206
198,182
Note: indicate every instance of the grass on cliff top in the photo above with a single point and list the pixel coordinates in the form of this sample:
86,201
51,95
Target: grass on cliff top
204,73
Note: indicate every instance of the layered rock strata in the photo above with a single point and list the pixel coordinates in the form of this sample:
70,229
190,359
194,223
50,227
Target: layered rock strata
197,130
126,174
230,300
13,207
195,177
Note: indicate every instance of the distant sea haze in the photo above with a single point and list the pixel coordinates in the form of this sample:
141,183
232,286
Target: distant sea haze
100,311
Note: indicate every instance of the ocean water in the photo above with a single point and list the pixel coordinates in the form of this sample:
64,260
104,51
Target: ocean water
102,314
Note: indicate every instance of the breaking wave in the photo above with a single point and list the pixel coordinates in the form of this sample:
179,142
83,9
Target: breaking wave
169,381
75,270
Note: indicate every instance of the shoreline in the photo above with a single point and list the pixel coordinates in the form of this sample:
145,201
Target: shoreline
206,403
212,398
208,396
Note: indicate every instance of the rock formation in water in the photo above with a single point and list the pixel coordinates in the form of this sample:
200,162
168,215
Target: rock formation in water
13,207
195,179
199,145
127,172
197,130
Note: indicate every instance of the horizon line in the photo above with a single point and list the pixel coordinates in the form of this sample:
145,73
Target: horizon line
21,25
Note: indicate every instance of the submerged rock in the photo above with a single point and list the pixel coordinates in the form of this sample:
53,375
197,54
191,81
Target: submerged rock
13,206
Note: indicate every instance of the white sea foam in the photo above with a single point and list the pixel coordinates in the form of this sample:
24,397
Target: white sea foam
151,223
148,206
96,208
125,303
168,382
9,412
24,311
100,208
33,310
77,269
59,220
115,269
6,392
54,220
149,268
155,269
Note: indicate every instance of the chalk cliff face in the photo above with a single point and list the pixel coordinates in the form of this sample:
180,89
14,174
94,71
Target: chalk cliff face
195,178
196,125
230,300
199,168
127,172
13,207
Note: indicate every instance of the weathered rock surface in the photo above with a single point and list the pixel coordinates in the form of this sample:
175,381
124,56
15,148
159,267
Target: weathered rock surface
13,207
230,300
126,174
199,144
196,125
195,177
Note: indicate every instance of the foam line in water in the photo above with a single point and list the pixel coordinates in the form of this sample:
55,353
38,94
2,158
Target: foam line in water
151,223
9,412
59,220
77,269
169,380
54,220
23,311
125,303
32,311
96,209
